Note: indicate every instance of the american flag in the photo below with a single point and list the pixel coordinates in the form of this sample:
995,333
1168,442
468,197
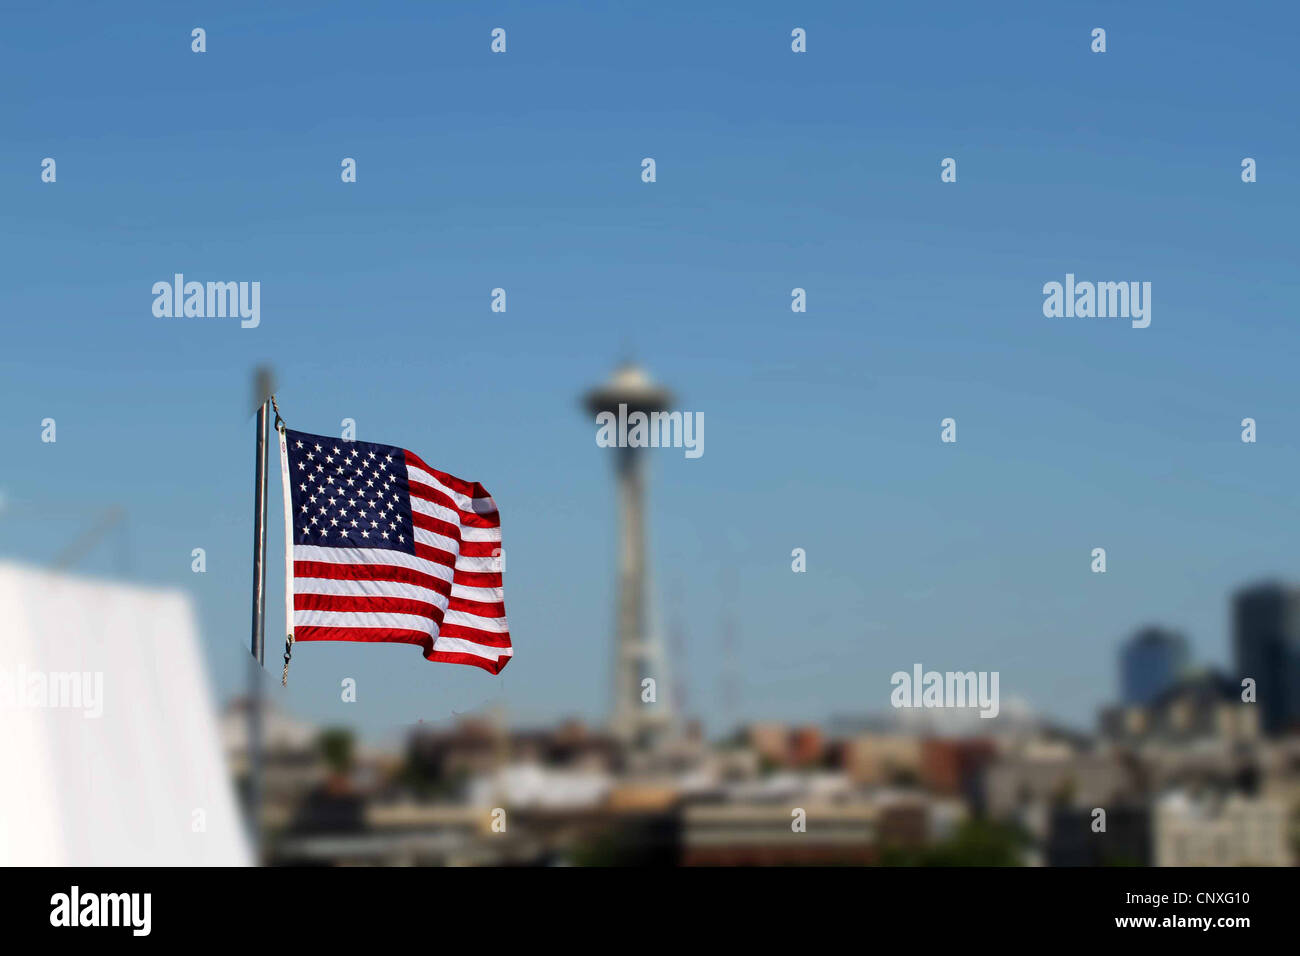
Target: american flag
386,548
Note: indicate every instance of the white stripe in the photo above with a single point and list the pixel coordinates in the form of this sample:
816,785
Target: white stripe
482,595
478,565
288,536
481,506
439,541
407,622
454,645
398,589
493,625
435,510
312,552
463,561
351,588
443,513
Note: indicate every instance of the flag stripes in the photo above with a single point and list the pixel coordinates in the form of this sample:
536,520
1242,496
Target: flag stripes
438,586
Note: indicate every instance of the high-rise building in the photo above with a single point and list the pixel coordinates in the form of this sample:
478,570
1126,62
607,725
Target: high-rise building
1266,642
638,651
1151,662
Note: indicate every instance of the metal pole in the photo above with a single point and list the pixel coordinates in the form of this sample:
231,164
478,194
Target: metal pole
259,535
262,387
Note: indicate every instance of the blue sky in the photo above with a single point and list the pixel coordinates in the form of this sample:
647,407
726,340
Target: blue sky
775,170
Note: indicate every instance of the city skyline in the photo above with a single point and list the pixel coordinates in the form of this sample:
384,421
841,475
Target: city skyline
775,172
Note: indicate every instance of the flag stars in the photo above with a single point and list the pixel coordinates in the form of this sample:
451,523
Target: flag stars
350,490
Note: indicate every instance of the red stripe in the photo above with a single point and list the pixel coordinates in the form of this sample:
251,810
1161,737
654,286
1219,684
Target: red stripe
477,579
492,667
371,572
487,638
437,555
391,605
368,635
382,635
436,525
479,608
471,549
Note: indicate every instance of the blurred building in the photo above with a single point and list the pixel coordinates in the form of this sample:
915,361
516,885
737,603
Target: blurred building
749,834
1202,705
881,758
1026,785
955,767
1220,831
1151,662
1266,639
292,765
1074,839
477,747
779,745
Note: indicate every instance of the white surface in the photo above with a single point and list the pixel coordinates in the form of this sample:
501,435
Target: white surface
123,788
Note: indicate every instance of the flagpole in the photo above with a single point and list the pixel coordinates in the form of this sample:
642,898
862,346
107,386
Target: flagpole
262,388
258,647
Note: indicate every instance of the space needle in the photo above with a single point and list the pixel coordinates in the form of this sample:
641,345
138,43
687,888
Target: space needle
638,651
